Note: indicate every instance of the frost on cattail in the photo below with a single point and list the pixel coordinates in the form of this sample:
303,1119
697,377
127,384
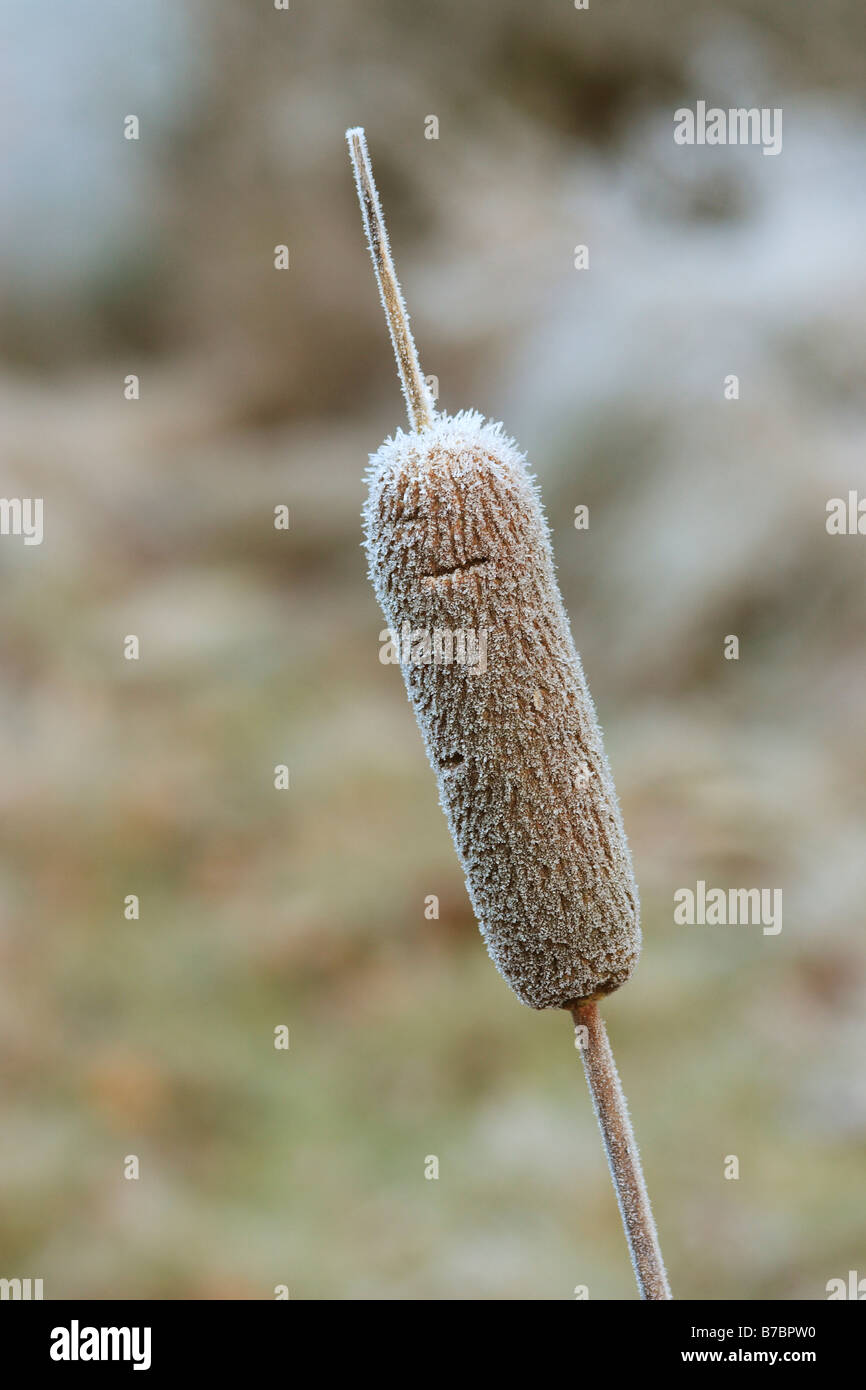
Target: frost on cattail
457,541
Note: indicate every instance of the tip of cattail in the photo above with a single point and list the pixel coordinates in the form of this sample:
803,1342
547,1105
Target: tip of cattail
419,402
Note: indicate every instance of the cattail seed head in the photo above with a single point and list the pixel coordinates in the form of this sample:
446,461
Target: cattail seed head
457,542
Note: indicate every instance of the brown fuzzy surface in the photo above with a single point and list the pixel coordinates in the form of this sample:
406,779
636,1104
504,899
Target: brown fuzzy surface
456,539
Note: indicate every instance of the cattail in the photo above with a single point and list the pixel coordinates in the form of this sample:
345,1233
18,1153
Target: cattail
460,558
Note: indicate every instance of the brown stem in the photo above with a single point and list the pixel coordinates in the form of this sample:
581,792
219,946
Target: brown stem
409,368
622,1152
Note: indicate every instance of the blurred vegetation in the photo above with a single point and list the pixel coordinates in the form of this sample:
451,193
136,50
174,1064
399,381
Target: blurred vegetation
260,647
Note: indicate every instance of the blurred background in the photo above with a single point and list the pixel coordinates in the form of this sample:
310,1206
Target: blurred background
305,907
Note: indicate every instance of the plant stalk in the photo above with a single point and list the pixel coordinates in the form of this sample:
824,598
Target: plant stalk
622,1152
418,402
